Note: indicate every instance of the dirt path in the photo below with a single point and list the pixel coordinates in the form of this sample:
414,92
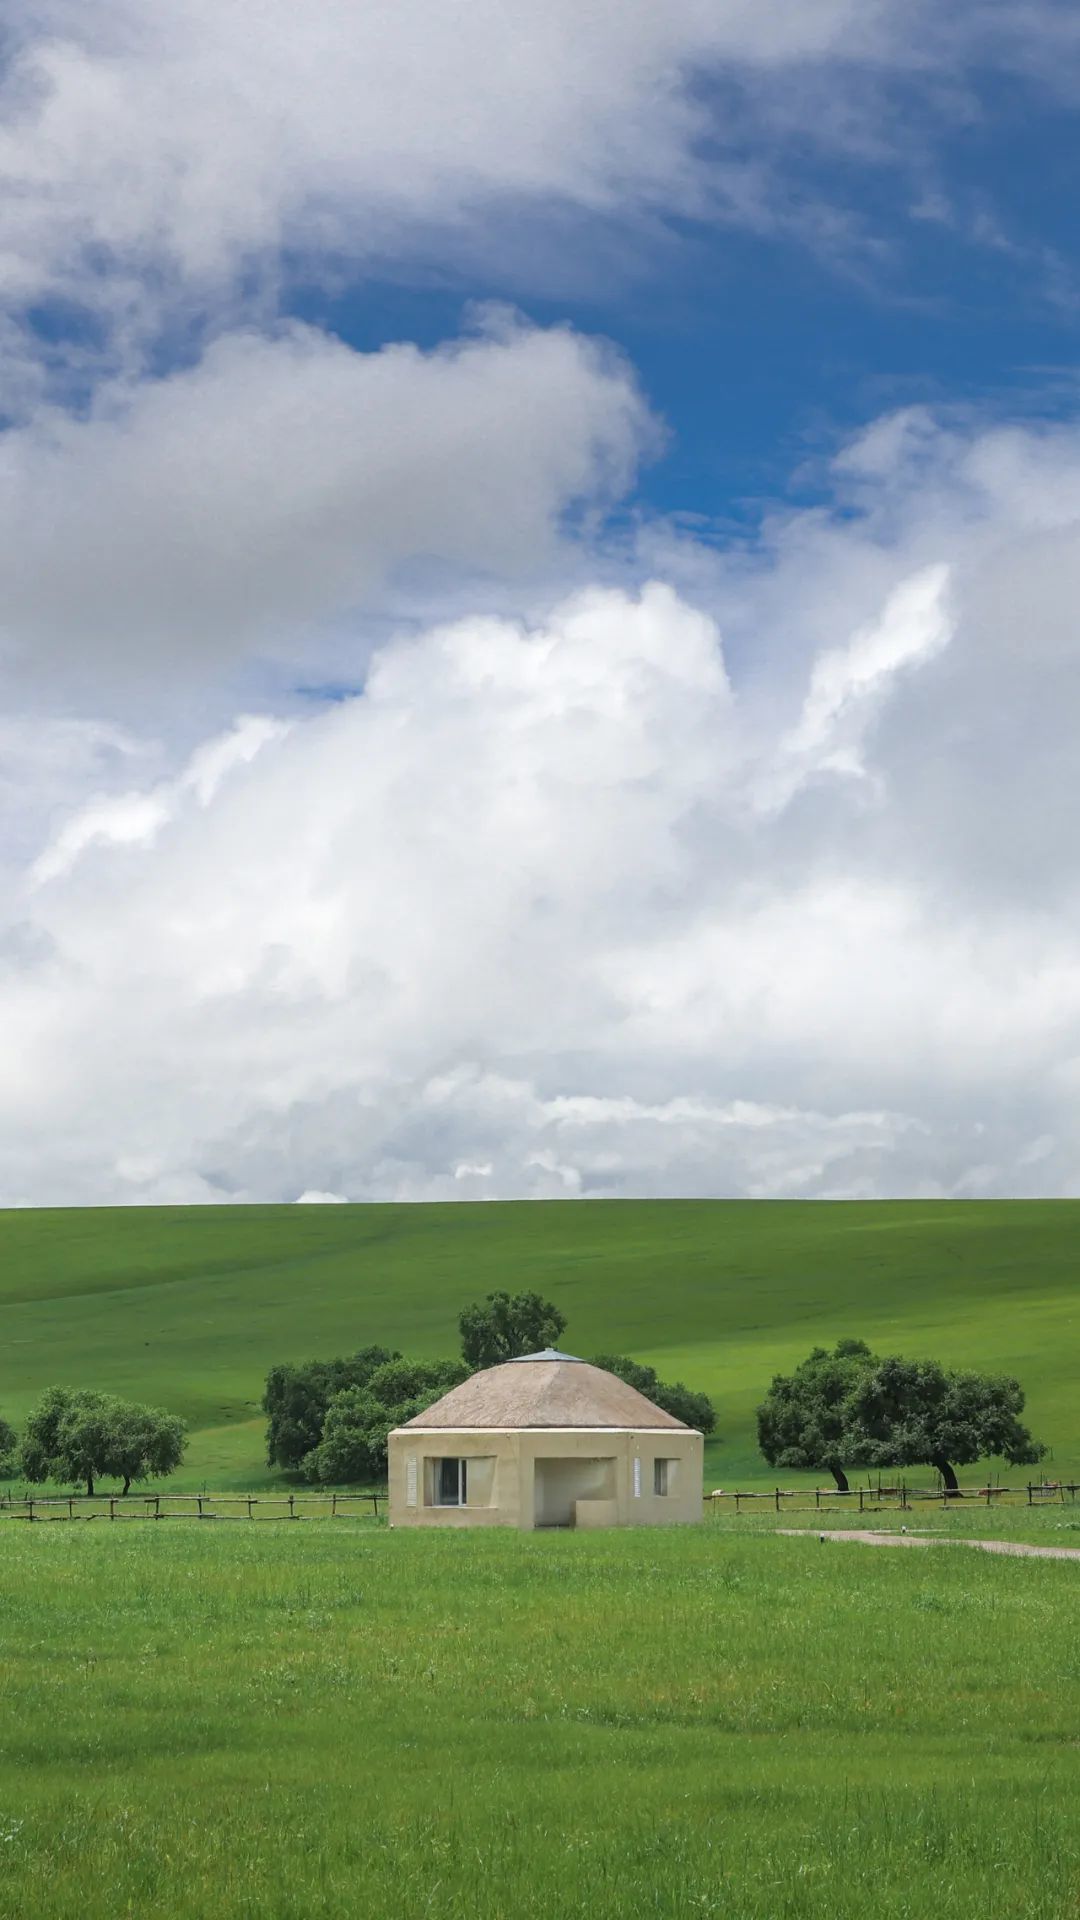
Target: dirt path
866,1538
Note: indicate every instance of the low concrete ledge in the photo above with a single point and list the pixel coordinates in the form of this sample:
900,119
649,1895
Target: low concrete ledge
596,1513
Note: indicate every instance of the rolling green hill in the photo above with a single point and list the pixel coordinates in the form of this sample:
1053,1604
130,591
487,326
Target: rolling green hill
188,1307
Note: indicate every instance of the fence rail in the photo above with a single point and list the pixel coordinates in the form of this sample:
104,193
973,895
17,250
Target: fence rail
191,1506
365,1506
900,1497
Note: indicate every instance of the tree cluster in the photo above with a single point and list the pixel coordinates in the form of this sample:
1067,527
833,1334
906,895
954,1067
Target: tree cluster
694,1409
78,1437
504,1326
329,1419
850,1408
296,1399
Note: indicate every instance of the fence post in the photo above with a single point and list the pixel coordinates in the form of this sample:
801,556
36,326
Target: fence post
1031,1503
333,1506
817,1496
375,1501
292,1506
777,1499
30,1504
860,1500
198,1497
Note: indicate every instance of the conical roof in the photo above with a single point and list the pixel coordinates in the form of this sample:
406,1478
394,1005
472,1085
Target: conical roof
548,1389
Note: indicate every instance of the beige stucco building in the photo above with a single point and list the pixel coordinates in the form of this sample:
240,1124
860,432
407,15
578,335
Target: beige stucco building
544,1441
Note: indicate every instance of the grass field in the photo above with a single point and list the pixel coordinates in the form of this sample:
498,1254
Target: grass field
188,1307
325,1720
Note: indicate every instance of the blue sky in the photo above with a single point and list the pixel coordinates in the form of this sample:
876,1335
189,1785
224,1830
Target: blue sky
540,550
763,350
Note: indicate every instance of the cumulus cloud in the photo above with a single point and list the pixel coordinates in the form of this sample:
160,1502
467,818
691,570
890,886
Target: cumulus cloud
760,878
136,819
558,908
276,483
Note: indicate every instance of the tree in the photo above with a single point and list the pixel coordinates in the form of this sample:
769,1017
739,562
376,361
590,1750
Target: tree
503,1327
145,1443
358,1420
695,1409
906,1413
350,1446
296,1399
81,1436
9,1451
399,1380
803,1422
62,1437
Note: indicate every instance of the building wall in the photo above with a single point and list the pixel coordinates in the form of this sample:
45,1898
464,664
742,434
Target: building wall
558,1484
503,1488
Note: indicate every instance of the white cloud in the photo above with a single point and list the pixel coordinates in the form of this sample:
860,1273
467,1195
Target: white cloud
136,819
589,901
183,144
555,908
849,684
243,502
160,162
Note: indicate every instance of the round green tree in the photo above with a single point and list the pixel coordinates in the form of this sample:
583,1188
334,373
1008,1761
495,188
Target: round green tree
803,1423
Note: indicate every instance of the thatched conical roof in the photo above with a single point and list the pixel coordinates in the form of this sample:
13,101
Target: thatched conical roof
548,1389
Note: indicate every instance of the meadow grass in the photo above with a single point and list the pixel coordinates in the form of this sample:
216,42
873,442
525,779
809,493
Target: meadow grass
188,1307
323,1720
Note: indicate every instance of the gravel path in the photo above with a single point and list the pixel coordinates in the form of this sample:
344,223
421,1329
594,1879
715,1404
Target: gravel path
868,1539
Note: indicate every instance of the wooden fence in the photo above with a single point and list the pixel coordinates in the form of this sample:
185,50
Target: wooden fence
366,1506
192,1506
900,1498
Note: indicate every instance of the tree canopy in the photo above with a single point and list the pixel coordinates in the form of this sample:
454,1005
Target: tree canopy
358,1420
696,1409
295,1399
850,1408
504,1326
804,1422
80,1436
913,1412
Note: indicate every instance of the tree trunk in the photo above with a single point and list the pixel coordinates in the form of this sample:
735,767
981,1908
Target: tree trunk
952,1484
127,1482
89,1486
840,1477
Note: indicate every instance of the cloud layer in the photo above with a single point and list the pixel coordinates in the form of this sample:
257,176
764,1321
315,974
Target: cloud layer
384,814
567,907
280,481
161,165
186,144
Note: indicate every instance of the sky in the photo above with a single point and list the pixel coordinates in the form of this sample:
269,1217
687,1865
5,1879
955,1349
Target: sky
540,556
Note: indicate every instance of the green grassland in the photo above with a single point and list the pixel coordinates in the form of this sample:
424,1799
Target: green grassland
329,1719
188,1307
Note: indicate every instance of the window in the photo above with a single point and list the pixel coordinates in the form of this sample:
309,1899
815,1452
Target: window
450,1479
663,1477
